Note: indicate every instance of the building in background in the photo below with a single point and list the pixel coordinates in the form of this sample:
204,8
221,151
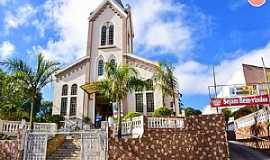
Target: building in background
255,84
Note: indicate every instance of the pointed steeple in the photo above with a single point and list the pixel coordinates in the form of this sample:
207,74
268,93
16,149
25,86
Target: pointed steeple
119,2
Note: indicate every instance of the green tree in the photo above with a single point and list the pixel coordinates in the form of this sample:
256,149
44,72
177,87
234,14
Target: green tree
33,79
165,81
191,111
118,82
12,98
243,112
45,111
227,114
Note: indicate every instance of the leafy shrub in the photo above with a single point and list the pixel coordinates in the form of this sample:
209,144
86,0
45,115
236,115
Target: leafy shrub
131,115
192,112
162,111
55,119
87,120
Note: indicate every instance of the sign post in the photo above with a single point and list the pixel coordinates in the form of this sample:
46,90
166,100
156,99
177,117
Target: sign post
215,84
266,80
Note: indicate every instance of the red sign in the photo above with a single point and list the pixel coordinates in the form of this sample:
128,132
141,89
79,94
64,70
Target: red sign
257,3
240,101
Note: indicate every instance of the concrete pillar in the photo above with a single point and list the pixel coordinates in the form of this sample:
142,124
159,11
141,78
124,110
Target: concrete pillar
1,126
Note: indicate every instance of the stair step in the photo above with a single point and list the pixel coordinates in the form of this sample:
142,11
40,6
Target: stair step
71,150
66,153
78,158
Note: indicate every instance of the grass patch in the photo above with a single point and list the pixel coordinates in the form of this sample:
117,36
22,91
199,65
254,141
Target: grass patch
55,143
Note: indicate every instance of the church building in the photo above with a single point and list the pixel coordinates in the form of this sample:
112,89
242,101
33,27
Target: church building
110,39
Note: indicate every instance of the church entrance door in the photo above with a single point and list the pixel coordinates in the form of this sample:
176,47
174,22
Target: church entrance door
103,109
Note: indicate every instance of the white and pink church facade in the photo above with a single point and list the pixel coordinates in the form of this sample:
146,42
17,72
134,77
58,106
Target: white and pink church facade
110,38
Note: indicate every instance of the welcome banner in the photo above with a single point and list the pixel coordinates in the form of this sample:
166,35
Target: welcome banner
240,101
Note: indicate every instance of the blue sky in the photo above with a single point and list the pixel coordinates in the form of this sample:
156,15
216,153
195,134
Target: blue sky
191,34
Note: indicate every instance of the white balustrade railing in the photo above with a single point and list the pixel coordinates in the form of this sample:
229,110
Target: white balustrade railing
158,122
11,127
45,127
133,127
251,119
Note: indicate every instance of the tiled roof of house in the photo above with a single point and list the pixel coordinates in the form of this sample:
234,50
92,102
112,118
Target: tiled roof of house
254,74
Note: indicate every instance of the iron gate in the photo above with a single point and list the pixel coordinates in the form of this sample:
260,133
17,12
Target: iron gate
93,144
35,146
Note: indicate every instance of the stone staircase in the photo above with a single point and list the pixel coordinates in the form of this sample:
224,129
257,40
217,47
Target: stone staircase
71,150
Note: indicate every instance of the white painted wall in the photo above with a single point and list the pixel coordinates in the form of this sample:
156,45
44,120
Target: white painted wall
145,74
107,53
73,77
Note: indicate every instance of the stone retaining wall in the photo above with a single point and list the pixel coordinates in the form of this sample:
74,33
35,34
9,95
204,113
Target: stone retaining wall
255,143
203,137
8,149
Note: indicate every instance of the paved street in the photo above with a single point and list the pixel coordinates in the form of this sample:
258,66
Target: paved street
240,152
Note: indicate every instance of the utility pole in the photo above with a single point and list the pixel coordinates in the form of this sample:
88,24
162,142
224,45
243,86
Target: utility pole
215,85
266,81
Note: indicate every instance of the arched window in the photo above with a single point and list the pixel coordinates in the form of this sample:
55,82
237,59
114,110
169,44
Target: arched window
113,62
111,34
74,89
73,106
100,67
65,90
63,110
149,85
103,35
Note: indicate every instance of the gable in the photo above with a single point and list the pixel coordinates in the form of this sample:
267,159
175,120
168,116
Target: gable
116,8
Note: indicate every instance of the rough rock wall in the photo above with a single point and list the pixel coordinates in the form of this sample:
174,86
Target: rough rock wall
8,149
259,130
203,137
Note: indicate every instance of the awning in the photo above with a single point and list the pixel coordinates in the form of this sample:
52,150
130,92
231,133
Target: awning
90,88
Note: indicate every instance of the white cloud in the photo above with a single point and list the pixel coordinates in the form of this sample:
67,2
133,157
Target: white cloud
164,25
194,77
20,17
69,18
154,29
6,49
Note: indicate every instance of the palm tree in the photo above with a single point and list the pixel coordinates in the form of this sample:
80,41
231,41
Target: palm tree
172,82
33,79
118,82
165,81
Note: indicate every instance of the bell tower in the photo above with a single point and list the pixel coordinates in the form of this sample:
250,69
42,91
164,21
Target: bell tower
110,37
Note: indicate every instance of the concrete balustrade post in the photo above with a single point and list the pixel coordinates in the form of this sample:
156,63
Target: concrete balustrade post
1,126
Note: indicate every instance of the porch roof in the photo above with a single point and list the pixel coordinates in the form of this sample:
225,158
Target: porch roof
89,88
